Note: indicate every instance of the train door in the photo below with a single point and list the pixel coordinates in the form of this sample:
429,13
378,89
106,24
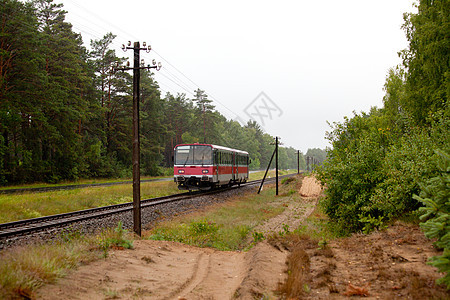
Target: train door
233,166
216,167
236,160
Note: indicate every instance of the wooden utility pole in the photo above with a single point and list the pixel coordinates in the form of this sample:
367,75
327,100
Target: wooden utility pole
275,153
136,144
276,163
137,67
298,161
267,170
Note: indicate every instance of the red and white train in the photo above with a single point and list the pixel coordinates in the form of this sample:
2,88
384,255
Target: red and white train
205,166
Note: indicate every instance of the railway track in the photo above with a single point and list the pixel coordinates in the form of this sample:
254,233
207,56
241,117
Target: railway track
74,186
27,227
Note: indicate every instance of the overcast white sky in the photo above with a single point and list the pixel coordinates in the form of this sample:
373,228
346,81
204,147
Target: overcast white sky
315,61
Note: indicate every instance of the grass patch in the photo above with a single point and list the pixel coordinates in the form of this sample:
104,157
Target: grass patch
270,174
81,181
24,269
317,226
224,228
118,238
32,205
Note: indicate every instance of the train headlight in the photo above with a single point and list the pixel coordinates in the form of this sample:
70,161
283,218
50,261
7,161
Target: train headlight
205,171
180,171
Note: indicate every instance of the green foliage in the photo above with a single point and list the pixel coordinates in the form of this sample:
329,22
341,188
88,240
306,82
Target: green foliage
255,164
323,243
378,159
372,223
23,270
202,233
371,173
227,228
117,238
354,169
426,60
285,230
435,195
257,237
319,154
203,227
64,115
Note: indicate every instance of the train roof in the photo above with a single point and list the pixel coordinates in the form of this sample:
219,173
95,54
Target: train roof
215,147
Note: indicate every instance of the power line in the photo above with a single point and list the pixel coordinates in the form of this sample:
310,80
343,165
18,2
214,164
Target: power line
163,58
94,33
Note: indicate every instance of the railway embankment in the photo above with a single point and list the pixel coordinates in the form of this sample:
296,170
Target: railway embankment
286,251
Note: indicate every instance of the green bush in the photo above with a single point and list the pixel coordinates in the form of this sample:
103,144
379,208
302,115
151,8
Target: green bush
435,195
372,173
353,169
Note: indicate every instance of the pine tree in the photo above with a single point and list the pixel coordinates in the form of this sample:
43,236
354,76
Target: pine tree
153,128
21,76
435,196
204,116
63,105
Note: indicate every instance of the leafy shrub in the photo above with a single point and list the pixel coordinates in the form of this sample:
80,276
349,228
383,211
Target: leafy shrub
372,173
435,195
353,170
257,237
372,223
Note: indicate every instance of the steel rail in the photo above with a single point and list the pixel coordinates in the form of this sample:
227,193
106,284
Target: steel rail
28,226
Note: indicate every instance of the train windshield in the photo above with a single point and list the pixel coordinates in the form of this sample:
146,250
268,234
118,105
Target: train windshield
193,155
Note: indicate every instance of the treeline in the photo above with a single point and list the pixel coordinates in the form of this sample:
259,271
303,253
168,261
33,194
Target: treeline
381,160
65,115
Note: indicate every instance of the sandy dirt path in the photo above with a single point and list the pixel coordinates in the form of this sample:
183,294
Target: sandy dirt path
391,264
169,270
154,270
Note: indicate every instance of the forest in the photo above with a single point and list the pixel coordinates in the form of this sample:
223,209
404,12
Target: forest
393,162
65,115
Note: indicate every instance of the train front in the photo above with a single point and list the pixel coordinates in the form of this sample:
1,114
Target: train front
193,167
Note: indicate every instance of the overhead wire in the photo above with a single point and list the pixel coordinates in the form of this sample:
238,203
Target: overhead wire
185,86
181,82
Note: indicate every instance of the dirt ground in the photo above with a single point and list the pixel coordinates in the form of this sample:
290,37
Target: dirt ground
384,265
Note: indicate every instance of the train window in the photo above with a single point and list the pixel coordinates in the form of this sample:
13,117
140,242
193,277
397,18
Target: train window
193,155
